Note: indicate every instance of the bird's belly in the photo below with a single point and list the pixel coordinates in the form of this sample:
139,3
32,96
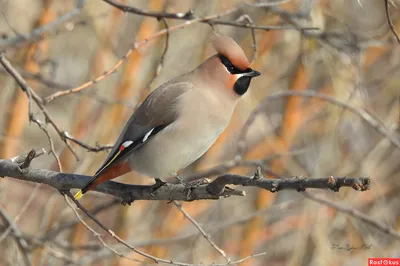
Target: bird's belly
171,150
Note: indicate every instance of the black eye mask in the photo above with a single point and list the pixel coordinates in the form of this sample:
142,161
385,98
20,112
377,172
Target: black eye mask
231,68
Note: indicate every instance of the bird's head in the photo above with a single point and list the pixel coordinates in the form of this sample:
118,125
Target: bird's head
230,66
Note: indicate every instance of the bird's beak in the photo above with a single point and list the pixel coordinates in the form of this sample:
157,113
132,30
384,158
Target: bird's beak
252,73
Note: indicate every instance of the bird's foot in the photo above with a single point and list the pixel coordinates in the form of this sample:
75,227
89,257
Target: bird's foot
127,200
190,186
159,183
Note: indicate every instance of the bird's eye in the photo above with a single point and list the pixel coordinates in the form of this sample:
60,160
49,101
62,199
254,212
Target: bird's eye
229,66
225,61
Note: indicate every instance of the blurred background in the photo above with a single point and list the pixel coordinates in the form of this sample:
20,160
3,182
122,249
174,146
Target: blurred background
353,56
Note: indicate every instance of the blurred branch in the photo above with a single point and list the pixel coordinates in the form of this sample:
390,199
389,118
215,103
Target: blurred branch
389,18
96,234
20,213
355,213
38,33
374,123
201,230
54,232
189,15
184,192
158,15
64,136
157,260
247,18
116,237
39,102
211,20
22,245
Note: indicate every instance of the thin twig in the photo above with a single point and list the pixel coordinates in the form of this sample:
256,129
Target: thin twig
201,230
22,245
212,19
190,16
39,102
97,148
116,237
129,52
58,229
38,33
389,19
355,213
253,36
20,213
64,136
375,124
96,234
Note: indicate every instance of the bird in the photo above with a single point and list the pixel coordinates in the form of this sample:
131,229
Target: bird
181,119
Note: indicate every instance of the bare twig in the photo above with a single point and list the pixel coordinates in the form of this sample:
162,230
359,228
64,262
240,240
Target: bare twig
64,136
389,19
201,230
58,229
39,102
22,245
355,213
25,159
253,36
38,33
96,234
375,124
295,183
162,59
117,238
190,16
211,20
129,52
20,213
86,146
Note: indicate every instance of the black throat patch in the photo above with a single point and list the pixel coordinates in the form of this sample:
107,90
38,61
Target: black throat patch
242,85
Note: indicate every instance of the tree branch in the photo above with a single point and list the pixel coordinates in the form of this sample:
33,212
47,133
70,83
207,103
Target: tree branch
185,192
38,33
189,15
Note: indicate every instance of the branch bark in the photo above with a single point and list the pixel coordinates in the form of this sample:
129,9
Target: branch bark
198,190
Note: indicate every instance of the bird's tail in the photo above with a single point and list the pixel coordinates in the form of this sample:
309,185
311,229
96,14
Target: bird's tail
78,195
88,186
102,176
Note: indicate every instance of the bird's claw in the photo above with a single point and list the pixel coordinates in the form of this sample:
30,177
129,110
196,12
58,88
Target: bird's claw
190,186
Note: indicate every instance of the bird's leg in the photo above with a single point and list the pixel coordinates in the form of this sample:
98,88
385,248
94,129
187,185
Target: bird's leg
180,179
127,200
186,184
190,186
159,183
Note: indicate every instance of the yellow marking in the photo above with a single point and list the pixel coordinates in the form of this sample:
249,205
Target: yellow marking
112,160
78,195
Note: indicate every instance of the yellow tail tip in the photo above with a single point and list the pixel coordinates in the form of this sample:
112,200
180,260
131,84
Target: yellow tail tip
78,195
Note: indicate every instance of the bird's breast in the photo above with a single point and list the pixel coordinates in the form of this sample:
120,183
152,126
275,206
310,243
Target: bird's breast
199,123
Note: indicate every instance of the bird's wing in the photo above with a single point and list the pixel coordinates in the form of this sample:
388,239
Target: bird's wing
152,116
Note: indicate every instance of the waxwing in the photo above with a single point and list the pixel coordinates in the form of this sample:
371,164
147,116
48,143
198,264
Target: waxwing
179,121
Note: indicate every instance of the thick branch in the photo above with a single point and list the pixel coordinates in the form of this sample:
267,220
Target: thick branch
185,192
